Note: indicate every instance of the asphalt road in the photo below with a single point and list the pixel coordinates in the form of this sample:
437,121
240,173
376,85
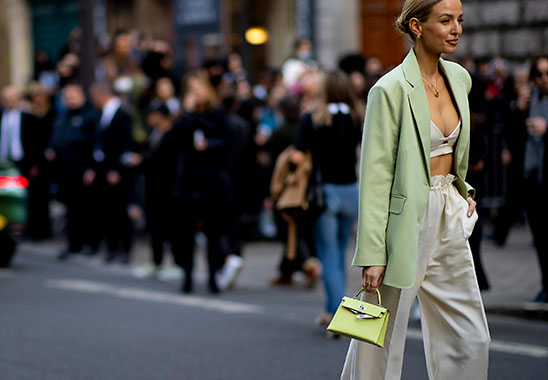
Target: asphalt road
81,320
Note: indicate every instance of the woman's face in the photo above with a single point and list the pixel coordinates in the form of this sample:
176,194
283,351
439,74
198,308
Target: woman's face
164,88
441,31
198,90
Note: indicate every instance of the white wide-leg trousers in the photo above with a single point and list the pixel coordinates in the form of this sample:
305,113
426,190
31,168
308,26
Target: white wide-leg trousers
454,327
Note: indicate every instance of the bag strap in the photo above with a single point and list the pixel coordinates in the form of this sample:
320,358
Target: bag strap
363,290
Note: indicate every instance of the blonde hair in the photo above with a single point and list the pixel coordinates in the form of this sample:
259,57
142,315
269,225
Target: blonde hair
211,99
419,9
335,87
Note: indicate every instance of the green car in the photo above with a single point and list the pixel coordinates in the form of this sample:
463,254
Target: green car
13,209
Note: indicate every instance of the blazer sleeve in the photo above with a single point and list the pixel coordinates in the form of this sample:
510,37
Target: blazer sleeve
378,157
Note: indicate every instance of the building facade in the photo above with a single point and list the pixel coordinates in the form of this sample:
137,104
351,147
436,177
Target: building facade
197,29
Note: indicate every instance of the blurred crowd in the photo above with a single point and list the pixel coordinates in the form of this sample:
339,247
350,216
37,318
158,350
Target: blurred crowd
194,150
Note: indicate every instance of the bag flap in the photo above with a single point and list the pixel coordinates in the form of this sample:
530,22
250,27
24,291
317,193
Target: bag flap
360,307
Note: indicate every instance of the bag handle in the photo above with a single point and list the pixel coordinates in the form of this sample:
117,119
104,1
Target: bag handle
363,290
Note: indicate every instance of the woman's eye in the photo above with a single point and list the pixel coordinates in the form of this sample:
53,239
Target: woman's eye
460,20
444,21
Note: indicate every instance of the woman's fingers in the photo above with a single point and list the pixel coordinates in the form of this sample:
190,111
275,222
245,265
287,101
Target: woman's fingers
471,207
372,278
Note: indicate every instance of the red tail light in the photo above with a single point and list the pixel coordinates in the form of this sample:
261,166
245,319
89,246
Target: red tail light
18,182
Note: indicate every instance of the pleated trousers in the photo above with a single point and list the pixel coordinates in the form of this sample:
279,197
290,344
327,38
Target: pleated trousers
454,327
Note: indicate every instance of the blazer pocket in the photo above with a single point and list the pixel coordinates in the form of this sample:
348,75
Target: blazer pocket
396,203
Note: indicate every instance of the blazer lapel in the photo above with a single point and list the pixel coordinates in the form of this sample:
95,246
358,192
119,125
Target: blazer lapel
419,105
458,89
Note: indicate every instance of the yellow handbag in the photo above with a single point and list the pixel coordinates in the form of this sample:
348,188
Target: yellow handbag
361,320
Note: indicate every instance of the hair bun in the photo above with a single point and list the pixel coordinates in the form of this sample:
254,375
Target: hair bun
402,25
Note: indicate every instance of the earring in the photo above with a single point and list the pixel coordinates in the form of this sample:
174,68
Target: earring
419,36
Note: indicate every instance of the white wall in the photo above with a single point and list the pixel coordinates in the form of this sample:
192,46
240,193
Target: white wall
337,30
20,41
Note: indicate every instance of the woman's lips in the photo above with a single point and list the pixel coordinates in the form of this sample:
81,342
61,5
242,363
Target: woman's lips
453,42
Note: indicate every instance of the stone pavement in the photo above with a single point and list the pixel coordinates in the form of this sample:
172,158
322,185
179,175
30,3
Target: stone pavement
512,271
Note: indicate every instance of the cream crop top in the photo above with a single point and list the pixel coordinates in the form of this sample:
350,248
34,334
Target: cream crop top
440,144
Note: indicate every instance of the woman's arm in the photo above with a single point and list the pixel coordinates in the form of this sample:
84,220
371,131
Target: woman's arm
378,157
302,143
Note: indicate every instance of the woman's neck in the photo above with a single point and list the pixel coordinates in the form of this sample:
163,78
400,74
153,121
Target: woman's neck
428,62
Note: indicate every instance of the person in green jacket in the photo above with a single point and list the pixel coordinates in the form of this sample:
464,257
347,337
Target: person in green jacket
416,211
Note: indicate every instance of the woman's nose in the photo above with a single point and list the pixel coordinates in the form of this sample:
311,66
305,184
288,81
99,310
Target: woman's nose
457,29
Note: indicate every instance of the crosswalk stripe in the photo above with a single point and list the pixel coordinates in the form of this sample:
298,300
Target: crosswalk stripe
500,346
222,306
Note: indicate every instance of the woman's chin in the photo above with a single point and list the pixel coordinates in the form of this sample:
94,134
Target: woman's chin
449,49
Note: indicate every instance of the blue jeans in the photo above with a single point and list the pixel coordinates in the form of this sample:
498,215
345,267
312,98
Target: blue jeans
332,232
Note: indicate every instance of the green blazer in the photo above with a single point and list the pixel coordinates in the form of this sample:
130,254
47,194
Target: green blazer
395,167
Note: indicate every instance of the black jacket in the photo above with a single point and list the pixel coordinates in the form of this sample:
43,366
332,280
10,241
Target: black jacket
203,175
72,140
159,167
111,142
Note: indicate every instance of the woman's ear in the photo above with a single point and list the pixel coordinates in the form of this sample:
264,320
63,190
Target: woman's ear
415,27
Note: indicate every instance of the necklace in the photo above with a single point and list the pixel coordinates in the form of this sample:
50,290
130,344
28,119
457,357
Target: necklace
432,87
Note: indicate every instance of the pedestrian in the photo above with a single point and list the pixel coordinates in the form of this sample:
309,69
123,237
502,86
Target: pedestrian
298,63
536,168
16,131
304,258
109,172
514,134
332,133
241,154
70,153
203,188
41,106
416,210
157,166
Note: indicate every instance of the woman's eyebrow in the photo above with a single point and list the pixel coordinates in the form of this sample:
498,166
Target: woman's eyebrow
448,15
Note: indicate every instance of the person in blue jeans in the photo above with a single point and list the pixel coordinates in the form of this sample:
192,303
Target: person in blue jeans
332,133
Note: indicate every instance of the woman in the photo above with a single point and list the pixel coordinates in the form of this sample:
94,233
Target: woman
332,133
203,184
416,211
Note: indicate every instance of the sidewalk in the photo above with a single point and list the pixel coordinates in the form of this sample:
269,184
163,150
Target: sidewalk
512,271
514,276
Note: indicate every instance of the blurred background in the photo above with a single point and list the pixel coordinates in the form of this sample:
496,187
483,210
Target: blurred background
134,133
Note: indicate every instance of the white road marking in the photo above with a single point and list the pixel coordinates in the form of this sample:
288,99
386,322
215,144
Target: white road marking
500,346
6,273
221,306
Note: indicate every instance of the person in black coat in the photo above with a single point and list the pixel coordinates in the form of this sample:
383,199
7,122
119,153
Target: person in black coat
109,172
158,167
536,168
43,109
203,187
70,151
514,135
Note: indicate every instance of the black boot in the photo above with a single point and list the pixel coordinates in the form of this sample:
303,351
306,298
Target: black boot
187,283
213,288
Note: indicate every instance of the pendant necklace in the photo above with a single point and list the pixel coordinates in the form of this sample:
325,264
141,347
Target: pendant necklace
432,87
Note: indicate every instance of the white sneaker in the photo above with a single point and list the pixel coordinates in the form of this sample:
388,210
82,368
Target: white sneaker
229,272
170,274
145,272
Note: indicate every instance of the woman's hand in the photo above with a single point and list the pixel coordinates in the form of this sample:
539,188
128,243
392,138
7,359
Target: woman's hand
536,126
296,157
471,206
372,278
